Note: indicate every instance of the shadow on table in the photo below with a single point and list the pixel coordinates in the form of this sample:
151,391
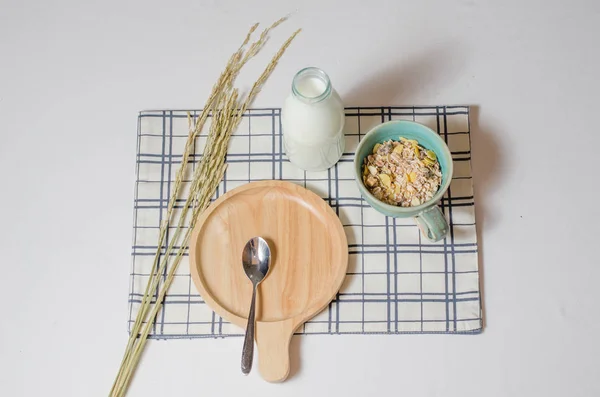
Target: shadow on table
431,72
425,73
295,359
486,163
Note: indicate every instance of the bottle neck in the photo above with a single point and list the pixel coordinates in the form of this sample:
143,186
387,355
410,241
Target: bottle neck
311,85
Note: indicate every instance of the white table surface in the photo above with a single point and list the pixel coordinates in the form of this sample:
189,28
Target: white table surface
74,74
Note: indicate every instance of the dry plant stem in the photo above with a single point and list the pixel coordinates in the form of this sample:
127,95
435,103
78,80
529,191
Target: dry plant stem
163,228
153,282
156,273
144,335
198,191
202,192
226,118
234,65
223,121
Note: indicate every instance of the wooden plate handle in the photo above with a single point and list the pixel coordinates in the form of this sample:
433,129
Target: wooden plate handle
273,343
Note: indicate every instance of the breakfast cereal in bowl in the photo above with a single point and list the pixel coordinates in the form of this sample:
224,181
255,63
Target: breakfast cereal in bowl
403,169
402,173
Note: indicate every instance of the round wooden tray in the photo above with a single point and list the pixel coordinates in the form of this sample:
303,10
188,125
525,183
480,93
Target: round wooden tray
308,264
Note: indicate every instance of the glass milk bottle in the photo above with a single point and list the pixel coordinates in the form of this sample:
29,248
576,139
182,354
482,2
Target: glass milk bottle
313,122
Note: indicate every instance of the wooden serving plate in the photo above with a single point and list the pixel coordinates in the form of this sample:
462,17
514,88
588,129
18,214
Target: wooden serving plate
309,258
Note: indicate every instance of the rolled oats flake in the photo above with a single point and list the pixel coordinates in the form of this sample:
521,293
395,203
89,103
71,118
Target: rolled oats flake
402,173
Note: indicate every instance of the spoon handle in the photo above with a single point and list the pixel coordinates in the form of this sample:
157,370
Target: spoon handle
248,350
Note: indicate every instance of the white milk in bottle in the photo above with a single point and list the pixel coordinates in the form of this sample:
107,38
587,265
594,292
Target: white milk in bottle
313,122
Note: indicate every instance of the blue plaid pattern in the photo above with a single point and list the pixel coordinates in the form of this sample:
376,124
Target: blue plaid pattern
397,282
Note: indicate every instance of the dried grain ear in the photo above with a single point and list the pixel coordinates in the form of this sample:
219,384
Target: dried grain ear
227,110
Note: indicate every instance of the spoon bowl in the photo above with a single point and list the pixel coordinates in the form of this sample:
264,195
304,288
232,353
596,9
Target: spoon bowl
256,259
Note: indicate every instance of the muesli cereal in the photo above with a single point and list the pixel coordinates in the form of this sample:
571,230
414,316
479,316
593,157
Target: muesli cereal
402,173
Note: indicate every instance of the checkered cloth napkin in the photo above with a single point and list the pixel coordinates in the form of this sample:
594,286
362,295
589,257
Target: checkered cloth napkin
397,281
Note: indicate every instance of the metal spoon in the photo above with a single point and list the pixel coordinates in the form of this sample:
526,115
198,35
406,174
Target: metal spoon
256,259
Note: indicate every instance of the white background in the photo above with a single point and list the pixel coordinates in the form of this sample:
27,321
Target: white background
74,74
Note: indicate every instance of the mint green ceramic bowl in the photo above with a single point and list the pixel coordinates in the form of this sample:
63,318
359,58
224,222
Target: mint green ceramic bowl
428,216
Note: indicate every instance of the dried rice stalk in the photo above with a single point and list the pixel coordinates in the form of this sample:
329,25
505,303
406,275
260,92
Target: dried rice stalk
227,110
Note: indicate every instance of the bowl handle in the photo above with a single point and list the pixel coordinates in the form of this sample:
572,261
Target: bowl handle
432,223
